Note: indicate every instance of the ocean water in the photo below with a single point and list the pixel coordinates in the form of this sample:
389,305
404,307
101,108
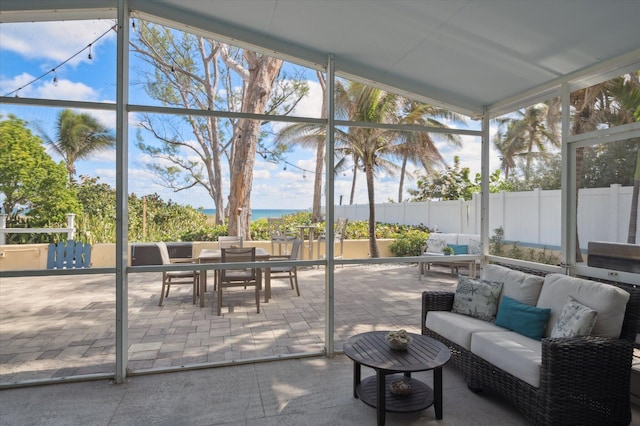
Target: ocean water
258,213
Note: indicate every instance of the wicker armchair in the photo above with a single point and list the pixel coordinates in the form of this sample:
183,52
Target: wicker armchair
584,380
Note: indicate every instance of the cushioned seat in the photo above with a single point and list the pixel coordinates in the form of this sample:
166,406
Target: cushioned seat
512,352
458,328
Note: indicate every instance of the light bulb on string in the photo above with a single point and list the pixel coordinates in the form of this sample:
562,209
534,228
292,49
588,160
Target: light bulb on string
133,24
55,77
90,55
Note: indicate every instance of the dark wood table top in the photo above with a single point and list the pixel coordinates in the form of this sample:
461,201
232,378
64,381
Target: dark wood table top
371,349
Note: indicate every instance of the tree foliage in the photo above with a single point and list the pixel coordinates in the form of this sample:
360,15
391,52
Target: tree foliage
454,183
77,137
150,217
193,72
33,186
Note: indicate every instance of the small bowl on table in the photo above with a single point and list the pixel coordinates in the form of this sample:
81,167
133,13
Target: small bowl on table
398,340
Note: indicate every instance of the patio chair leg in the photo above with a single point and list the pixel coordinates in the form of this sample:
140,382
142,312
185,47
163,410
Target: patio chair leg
161,295
219,300
295,278
258,298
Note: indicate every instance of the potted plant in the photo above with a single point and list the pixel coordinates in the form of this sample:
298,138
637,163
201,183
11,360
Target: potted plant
447,251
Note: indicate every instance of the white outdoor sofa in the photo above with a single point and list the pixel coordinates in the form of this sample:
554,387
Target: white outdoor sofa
572,369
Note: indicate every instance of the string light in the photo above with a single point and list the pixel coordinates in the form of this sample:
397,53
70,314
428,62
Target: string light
53,70
55,77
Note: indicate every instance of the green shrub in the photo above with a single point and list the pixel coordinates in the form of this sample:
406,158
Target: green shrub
409,243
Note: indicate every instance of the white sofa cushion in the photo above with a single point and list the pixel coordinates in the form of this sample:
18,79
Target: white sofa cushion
457,328
609,301
514,353
463,239
449,238
517,285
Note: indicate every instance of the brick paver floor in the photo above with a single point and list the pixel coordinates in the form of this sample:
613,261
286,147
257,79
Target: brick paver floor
60,326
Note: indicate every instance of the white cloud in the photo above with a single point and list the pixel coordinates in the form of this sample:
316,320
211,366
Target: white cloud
310,105
55,41
64,89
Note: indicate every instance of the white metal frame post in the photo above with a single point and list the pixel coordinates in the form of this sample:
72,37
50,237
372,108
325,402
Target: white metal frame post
122,218
569,192
329,203
484,176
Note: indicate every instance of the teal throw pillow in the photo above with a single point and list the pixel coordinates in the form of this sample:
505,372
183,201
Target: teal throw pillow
459,249
522,318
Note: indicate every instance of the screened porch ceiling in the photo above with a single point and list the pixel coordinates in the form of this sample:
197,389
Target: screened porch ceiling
459,54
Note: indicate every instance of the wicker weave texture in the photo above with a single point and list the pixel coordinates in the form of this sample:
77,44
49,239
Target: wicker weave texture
584,380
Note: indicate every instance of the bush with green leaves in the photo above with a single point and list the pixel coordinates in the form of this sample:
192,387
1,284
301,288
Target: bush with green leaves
34,189
409,243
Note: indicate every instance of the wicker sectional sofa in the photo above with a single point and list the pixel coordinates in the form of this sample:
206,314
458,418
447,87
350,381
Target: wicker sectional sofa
552,380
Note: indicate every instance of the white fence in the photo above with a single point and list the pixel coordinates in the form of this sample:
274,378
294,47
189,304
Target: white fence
70,230
532,218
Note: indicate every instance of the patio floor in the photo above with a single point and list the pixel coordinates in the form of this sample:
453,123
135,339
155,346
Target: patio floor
59,326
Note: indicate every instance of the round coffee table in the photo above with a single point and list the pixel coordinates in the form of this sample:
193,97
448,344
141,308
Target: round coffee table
424,353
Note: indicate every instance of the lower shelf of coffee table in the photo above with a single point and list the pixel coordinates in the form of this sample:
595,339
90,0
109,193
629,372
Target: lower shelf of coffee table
420,397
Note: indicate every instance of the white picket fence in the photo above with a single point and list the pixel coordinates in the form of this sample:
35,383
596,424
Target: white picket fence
532,218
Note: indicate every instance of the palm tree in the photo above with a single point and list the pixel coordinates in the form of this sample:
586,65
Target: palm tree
527,136
614,102
360,103
420,147
370,149
77,137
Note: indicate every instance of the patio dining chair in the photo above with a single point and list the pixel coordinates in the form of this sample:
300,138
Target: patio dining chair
340,227
247,277
288,271
278,234
229,241
170,278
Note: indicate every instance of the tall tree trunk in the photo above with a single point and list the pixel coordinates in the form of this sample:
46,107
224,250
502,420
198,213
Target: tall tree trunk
262,72
402,172
633,216
317,183
353,182
373,245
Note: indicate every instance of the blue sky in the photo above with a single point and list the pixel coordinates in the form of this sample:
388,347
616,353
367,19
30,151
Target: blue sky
28,50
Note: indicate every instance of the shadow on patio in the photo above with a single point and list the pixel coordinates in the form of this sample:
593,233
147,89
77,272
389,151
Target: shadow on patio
60,326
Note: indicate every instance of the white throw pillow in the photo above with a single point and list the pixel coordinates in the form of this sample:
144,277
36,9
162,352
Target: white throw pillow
476,298
435,245
474,246
576,319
